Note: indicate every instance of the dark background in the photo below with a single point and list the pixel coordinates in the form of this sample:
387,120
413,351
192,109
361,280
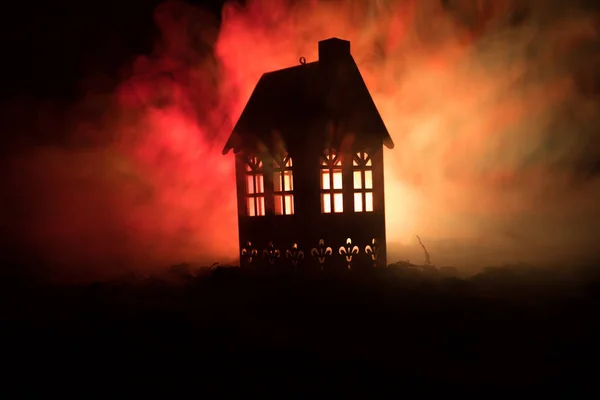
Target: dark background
50,47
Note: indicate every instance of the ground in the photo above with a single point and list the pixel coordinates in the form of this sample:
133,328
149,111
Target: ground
502,326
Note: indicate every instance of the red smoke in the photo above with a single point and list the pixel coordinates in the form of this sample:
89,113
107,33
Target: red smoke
481,98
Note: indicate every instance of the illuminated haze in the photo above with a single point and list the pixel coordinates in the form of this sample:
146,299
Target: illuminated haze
493,107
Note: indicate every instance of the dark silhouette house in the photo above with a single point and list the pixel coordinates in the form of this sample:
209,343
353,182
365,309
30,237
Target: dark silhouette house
309,165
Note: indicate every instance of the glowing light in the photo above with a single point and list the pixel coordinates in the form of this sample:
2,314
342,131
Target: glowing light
369,201
368,179
362,182
260,207
250,184
289,204
284,205
337,180
358,206
326,203
251,206
325,180
255,186
332,181
288,181
338,202
260,184
283,186
357,180
255,206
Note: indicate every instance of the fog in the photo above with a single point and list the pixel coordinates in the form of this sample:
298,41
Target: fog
493,107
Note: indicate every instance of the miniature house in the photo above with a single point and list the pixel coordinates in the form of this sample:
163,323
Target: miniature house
309,165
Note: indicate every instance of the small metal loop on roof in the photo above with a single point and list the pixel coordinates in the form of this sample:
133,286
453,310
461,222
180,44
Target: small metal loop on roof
302,60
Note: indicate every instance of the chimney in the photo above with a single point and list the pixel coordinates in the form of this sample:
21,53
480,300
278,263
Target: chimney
332,50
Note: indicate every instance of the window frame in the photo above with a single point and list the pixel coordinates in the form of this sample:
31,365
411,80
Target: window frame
254,169
282,165
362,162
331,163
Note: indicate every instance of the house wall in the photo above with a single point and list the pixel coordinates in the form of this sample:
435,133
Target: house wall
308,225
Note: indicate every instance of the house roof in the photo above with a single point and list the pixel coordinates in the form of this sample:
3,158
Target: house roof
286,104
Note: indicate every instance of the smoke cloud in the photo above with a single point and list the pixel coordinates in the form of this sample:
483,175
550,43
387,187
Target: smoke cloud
493,105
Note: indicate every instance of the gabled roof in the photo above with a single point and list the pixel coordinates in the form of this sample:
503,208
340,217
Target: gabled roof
288,102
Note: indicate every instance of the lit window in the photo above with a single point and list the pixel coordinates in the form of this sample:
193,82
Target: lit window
283,185
332,197
362,174
255,187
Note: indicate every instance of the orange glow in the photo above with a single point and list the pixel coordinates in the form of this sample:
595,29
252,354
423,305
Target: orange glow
326,203
337,179
331,181
357,180
338,202
284,205
260,206
363,182
483,150
283,185
358,205
255,206
359,160
368,179
255,184
289,204
369,201
260,184
285,177
249,184
325,179
288,182
278,202
331,160
251,206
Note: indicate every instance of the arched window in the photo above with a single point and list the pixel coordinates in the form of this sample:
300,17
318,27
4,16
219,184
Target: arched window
283,185
255,187
332,197
362,169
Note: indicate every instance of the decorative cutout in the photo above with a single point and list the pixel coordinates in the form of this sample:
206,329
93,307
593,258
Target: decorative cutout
362,159
271,254
283,185
373,251
362,175
248,253
349,251
321,252
294,255
332,196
